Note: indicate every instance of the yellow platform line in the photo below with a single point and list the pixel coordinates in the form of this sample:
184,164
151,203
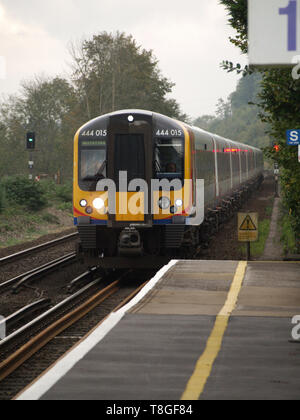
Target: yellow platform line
204,365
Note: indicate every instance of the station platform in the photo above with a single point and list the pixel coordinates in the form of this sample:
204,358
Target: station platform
199,330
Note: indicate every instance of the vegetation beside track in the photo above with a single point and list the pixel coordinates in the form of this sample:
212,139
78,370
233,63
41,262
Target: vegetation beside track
288,237
31,209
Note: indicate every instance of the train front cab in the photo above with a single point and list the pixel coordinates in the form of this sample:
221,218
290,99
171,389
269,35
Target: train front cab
147,147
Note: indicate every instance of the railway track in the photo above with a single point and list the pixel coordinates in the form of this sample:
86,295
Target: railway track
33,275
21,345
38,248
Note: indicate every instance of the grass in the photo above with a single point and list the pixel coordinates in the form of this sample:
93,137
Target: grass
50,218
20,224
67,207
269,211
288,237
27,237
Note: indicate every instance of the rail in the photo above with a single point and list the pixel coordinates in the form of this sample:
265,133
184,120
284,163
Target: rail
46,334
16,282
46,245
57,326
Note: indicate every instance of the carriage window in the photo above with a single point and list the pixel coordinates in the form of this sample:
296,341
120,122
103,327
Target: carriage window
169,158
92,164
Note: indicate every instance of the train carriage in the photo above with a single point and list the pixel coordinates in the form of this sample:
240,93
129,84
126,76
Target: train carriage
135,185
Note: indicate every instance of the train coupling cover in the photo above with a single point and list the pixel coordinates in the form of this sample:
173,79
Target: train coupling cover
130,243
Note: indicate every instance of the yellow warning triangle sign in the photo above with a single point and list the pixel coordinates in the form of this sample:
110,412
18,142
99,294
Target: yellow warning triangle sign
248,224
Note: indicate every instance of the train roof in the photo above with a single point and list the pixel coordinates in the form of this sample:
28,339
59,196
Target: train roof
151,113
233,142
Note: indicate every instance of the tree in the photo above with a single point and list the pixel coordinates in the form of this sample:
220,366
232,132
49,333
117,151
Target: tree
112,72
236,119
247,91
44,106
238,19
223,109
108,73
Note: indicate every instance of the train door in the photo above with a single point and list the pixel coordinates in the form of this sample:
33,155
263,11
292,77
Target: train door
217,192
247,164
229,154
130,160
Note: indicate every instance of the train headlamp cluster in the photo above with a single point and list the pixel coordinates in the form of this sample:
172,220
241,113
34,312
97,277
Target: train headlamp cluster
98,203
131,118
83,203
179,203
164,203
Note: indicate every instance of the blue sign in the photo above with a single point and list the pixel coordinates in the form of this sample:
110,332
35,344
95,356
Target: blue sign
293,137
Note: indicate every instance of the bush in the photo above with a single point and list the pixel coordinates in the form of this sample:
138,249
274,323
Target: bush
288,236
65,193
23,192
49,188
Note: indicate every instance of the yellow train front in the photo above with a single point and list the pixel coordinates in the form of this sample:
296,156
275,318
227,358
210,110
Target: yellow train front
135,186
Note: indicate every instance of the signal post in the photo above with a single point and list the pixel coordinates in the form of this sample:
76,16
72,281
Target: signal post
30,146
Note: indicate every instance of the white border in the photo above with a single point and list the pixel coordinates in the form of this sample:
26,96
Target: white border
60,369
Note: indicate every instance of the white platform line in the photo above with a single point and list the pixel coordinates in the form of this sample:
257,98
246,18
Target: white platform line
60,369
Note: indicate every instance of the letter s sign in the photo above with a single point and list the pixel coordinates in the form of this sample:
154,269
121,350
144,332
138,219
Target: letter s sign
296,329
294,136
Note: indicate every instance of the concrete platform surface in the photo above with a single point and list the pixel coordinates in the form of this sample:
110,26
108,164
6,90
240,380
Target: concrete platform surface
199,330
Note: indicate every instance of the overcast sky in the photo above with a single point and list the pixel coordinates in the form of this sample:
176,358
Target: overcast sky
189,38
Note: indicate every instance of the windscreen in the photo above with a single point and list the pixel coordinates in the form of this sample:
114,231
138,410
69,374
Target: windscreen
169,158
92,166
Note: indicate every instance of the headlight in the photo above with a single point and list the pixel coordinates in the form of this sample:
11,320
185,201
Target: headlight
164,203
83,203
179,203
98,203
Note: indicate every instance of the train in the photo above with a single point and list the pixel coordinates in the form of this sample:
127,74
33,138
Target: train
141,180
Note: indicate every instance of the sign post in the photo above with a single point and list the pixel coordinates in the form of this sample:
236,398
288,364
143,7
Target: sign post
276,175
248,230
30,146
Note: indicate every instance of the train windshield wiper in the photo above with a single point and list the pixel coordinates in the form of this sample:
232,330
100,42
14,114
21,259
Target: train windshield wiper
99,175
157,165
